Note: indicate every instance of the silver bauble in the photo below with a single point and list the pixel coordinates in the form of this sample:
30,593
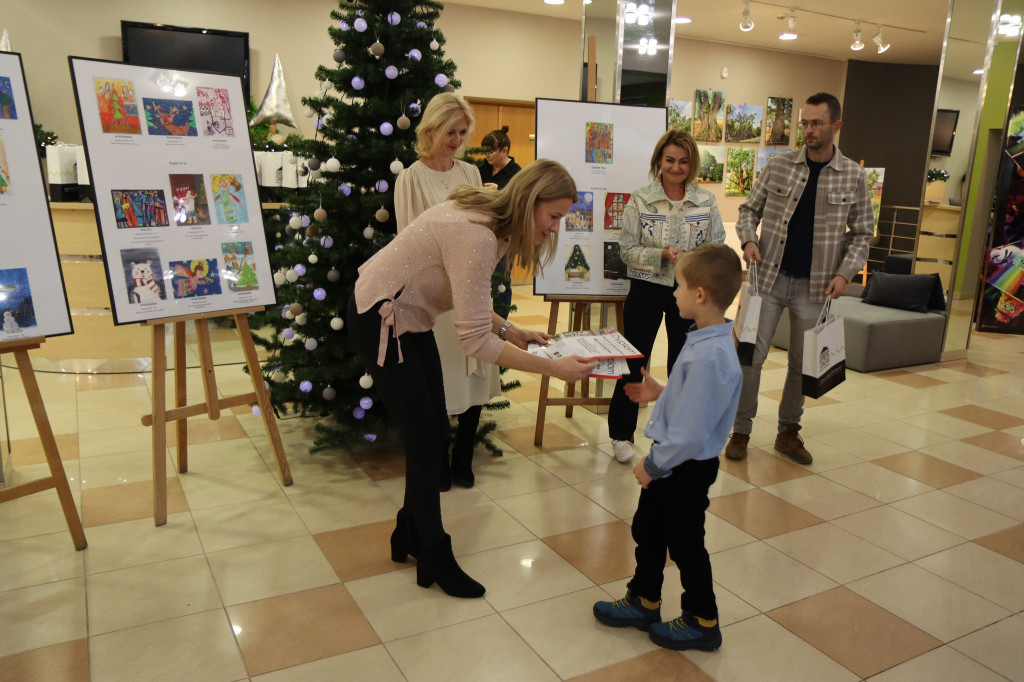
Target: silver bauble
382,215
368,232
333,275
377,49
330,393
403,122
320,214
339,55
313,164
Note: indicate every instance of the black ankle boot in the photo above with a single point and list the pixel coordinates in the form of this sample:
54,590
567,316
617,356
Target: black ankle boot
437,564
462,466
405,540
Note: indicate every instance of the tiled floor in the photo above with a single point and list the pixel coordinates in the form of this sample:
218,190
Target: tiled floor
897,556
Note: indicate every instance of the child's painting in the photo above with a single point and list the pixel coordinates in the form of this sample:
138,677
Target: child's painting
743,123
191,206
614,268
7,104
229,198
16,301
875,178
170,117
614,205
680,115
708,115
600,141
739,171
577,263
239,266
214,112
778,121
197,277
712,164
139,207
764,154
580,217
143,275
5,170
119,111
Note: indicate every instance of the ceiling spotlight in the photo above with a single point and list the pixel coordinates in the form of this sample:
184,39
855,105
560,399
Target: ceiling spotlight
683,20
746,24
978,72
856,44
880,41
790,32
554,2
1009,25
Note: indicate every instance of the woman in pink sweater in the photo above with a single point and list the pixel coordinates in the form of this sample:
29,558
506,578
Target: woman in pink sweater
443,261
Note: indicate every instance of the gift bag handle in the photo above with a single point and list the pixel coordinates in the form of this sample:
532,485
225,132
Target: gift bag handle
825,310
752,279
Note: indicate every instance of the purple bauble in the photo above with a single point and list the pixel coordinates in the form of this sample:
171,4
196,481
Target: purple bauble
300,268
391,72
370,437
319,125
359,24
394,18
305,221
357,83
386,128
343,25
288,334
345,188
441,80
256,411
366,403
415,109
306,386
382,186
327,242
319,293
310,344
358,413
415,55
421,24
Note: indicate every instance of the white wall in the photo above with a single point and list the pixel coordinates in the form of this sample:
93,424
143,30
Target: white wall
963,96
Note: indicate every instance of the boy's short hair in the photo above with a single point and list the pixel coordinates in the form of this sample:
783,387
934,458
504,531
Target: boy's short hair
716,268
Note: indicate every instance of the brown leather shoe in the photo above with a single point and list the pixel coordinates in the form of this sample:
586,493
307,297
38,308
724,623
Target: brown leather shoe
790,443
736,448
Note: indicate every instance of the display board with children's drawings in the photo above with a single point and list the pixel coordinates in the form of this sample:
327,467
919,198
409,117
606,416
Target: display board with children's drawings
32,298
176,197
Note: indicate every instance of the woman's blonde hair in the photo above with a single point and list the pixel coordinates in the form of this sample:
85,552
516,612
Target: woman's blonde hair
511,209
680,138
442,112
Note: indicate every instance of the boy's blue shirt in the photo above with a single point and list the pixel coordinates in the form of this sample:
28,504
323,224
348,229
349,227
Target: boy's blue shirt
694,414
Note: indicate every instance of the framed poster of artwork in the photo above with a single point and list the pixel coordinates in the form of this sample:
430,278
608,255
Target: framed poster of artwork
182,232
580,217
680,115
743,123
600,142
614,205
778,119
708,115
712,164
739,176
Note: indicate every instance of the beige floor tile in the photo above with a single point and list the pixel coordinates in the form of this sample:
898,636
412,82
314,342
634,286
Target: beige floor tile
761,514
67,662
205,488
344,506
766,578
555,439
906,434
762,467
943,423
36,514
579,465
505,478
1000,442
237,453
834,553
111,417
992,494
956,515
760,650
827,457
200,646
991,419
720,535
617,494
602,553
39,559
1009,542
901,534
27,473
127,467
662,665
146,594
929,470
394,489
565,633
127,502
878,483
887,408
821,497
968,456
270,569
982,571
397,607
943,663
862,444
133,543
498,654
321,471
559,510
731,609
727,484
372,664
997,647
248,523
1012,476
114,441
480,527
42,615
931,603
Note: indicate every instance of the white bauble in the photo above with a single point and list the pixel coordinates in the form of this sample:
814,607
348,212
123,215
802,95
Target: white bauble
365,381
332,165
291,275
313,259
295,222
278,377
301,319
368,232
279,279
396,167
337,323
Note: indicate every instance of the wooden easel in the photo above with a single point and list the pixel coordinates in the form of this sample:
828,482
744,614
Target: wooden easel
580,321
57,478
212,404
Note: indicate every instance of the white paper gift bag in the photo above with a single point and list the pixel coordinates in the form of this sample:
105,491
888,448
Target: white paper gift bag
61,175
824,364
744,329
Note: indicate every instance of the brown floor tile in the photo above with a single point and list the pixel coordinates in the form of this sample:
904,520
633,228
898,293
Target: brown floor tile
983,416
661,665
1009,542
997,441
927,469
853,631
972,368
298,628
224,334
27,451
116,503
602,553
372,553
761,468
204,430
67,662
761,514
555,439
776,394
530,391
98,382
911,379
380,463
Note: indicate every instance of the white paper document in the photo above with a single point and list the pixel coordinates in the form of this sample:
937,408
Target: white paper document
606,345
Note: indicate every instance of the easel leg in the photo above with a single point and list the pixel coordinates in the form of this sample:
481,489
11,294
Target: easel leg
577,324
60,480
159,426
545,381
263,397
181,395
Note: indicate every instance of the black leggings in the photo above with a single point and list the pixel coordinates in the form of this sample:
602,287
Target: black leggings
413,392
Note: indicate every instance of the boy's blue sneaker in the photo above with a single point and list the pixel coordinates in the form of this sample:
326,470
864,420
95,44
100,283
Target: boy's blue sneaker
628,612
685,633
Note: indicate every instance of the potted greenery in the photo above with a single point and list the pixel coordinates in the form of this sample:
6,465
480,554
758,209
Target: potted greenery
935,191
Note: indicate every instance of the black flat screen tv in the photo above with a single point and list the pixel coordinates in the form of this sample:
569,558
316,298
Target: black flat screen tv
187,49
945,131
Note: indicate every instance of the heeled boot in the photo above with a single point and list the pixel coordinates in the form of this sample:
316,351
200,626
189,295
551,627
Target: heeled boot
436,564
405,540
462,465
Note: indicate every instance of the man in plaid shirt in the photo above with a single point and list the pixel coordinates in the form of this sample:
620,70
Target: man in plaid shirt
804,200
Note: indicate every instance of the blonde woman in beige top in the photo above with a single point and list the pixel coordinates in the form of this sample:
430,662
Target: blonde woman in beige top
443,261
469,383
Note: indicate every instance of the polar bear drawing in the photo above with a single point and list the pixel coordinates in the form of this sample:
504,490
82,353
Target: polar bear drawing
145,289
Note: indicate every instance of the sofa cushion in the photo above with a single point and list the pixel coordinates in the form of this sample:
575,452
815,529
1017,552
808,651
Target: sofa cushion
905,292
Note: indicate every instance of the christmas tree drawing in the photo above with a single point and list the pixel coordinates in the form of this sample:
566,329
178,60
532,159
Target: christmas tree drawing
576,266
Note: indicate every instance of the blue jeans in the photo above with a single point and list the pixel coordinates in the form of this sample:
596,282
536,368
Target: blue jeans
788,293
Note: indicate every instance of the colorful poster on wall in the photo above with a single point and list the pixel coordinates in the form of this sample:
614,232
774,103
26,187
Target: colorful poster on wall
680,114
182,231
712,164
580,217
778,119
739,171
743,123
600,142
708,115
32,297
614,205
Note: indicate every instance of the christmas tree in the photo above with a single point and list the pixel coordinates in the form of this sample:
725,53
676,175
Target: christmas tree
388,63
576,267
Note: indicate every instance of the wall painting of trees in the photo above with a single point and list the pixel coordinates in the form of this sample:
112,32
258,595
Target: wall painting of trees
743,123
739,171
680,114
778,122
708,115
712,164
